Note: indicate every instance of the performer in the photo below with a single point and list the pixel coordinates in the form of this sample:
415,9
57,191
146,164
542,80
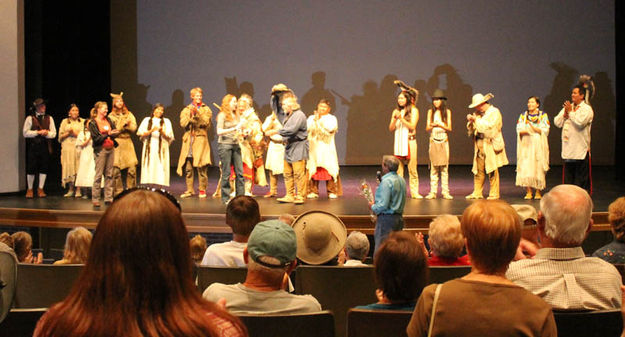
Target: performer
438,124
323,163
103,134
404,123
68,131
156,133
195,152
296,150
252,145
390,199
575,119
38,130
532,150
125,156
86,166
489,150
275,150
229,132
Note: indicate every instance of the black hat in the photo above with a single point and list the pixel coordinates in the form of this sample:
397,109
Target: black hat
439,94
38,102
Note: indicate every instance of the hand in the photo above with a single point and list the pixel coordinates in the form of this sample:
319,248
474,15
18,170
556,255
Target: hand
379,294
342,257
526,249
471,117
568,107
523,133
370,204
42,132
421,241
222,303
114,132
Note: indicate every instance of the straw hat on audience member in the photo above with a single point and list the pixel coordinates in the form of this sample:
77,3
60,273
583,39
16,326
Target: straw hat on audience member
479,99
320,236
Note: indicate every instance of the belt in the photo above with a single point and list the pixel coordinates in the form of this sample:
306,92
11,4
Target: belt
479,136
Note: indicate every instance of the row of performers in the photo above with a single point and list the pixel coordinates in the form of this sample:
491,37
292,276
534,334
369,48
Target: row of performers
95,152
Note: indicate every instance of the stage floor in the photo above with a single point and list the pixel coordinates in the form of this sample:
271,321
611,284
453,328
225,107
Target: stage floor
207,215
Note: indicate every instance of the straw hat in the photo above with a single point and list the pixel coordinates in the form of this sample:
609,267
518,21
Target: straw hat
479,99
320,236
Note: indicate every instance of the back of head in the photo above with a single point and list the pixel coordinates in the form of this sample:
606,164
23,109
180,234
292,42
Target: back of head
137,280
567,211
271,249
400,267
22,244
493,231
7,239
616,216
391,163
198,246
77,245
446,236
242,214
357,246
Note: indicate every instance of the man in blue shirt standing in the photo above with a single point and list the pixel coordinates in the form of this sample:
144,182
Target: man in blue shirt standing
294,133
390,198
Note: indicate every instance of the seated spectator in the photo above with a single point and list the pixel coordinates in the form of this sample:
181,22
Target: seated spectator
242,214
270,257
22,245
137,280
7,239
529,237
400,272
614,252
356,249
77,245
560,272
446,242
198,248
484,302
320,237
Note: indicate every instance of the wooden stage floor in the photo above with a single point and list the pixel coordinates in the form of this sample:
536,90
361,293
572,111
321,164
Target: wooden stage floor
207,215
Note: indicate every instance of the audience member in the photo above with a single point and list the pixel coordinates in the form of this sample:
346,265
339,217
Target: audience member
560,272
197,245
614,252
7,239
390,199
356,249
270,257
484,302
22,245
400,273
446,242
77,245
320,237
529,237
131,286
242,214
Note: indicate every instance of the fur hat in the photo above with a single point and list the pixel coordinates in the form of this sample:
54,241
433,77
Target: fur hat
479,99
116,96
320,236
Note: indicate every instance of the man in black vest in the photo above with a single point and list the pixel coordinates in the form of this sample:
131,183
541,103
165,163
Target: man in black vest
38,130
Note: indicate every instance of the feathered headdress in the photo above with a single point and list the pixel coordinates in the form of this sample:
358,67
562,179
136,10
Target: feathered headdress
589,87
414,93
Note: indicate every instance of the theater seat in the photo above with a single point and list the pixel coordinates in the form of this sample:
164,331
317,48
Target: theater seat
601,323
8,276
40,285
21,322
442,274
375,323
226,275
320,324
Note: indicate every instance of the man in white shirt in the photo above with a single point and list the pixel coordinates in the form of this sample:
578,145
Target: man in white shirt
38,130
242,214
560,273
575,119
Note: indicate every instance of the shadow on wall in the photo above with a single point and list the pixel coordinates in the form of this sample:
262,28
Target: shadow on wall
318,92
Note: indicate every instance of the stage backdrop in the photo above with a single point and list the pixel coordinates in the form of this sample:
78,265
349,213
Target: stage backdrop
351,51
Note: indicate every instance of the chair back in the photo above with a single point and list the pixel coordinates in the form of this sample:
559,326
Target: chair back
41,285
8,277
227,275
318,324
621,269
21,322
374,323
337,289
601,323
442,274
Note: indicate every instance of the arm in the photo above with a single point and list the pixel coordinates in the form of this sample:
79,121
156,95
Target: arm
521,126
559,119
295,123
167,132
327,124
64,130
143,131
185,117
448,126
414,119
52,132
26,130
220,126
428,125
544,124
392,124
382,197
96,136
131,123
489,124
204,116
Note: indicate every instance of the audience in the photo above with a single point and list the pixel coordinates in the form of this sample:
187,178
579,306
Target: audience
484,302
320,237
242,214
137,280
197,245
77,245
270,257
356,249
7,239
400,272
614,252
446,242
22,245
560,272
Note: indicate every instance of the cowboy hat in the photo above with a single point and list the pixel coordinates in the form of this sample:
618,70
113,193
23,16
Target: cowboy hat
438,94
320,236
479,99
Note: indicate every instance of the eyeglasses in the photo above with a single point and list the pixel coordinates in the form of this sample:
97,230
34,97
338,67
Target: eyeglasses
160,191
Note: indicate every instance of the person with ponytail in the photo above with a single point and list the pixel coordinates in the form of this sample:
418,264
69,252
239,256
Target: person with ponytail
156,133
103,134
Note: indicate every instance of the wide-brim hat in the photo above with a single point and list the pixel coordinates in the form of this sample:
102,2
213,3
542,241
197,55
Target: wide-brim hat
438,94
38,102
280,87
479,99
320,236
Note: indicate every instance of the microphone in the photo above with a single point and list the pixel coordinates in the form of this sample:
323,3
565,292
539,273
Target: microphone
378,176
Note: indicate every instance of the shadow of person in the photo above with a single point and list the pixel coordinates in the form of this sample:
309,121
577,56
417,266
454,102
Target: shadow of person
359,120
311,98
604,121
172,112
566,77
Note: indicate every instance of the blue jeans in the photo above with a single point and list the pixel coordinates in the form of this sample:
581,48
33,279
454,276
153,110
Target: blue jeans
386,223
230,154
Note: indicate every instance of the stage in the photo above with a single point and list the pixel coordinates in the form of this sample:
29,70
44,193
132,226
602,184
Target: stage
208,215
